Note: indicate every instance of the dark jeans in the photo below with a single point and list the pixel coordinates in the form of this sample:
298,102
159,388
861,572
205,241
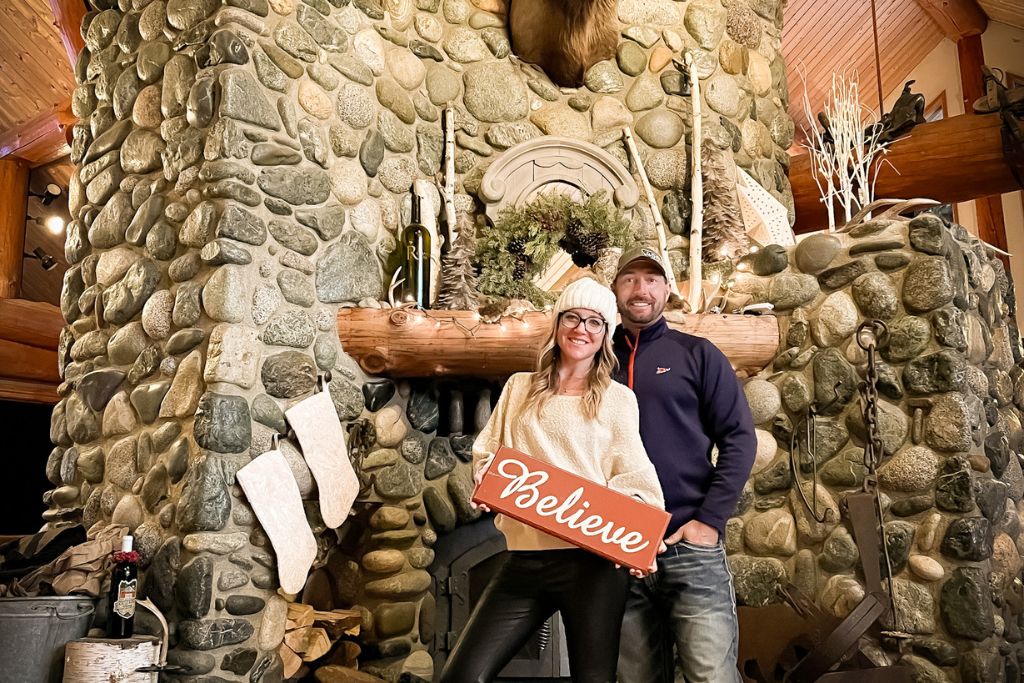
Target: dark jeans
531,586
688,604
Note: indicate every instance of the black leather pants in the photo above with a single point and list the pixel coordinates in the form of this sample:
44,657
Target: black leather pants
531,586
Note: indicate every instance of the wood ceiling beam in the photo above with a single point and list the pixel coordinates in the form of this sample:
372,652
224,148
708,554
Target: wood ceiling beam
67,17
951,160
957,18
41,140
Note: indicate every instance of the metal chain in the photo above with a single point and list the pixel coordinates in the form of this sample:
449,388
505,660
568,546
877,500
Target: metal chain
870,335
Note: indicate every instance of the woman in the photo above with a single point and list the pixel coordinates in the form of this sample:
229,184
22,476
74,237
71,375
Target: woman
571,414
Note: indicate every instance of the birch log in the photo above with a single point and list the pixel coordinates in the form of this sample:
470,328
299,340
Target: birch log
696,192
107,660
449,175
659,225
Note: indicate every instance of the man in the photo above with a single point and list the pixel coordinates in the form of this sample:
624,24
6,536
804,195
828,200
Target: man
690,403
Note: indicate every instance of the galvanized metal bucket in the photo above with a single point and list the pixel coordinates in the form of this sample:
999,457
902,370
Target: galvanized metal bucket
33,632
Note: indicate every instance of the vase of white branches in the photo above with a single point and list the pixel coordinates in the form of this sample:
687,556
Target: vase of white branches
846,151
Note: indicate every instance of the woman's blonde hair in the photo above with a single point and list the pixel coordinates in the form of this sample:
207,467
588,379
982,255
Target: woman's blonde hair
544,383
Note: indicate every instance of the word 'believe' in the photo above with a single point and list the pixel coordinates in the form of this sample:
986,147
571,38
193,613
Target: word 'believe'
525,486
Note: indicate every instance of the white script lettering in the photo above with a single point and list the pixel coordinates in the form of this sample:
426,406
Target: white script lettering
525,485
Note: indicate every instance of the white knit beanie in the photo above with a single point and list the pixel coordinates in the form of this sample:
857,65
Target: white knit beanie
588,293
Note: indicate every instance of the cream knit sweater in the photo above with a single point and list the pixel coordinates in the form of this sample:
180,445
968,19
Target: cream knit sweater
607,450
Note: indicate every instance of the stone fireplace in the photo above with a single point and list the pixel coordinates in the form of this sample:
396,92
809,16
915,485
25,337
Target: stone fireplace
243,167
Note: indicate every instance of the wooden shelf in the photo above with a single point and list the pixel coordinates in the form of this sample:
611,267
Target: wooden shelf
411,343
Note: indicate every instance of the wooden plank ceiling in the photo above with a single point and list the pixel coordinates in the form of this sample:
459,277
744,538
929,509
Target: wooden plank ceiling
35,78
34,73
1007,11
822,37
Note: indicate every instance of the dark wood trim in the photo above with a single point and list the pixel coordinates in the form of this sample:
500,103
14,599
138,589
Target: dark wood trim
989,207
938,103
956,18
67,17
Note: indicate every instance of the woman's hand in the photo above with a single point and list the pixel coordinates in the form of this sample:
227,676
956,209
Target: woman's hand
478,477
640,573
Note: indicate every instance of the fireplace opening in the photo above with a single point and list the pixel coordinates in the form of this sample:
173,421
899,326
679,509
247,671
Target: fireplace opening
464,561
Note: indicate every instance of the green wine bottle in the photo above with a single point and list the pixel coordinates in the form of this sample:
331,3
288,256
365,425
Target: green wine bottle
416,259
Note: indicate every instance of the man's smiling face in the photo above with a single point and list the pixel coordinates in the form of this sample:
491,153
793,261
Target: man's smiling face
641,291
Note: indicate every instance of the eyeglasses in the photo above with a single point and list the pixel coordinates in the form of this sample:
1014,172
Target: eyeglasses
571,321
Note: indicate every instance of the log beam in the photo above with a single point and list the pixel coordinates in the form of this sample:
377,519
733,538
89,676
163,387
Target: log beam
13,204
24,362
951,160
410,343
956,18
28,392
41,140
67,17
33,323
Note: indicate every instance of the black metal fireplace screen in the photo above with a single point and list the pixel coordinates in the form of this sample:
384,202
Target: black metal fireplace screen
464,561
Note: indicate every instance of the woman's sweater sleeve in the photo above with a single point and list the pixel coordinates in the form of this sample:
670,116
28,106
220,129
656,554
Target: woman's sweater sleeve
632,472
491,436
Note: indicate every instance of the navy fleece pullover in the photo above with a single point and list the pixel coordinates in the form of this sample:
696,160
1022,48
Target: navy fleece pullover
690,401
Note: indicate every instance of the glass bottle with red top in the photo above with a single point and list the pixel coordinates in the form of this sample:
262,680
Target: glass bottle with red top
124,583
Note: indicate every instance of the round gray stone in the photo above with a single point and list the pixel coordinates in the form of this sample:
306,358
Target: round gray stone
291,328
815,253
494,92
289,374
876,295
222,423
355,105
631,58
705,21
661,128
603,77
789,290
348,270
927,284
908,336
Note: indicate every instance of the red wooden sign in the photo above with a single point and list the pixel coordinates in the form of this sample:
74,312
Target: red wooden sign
576,510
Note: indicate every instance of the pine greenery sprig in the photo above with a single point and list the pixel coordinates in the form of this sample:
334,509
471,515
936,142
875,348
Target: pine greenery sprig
522,242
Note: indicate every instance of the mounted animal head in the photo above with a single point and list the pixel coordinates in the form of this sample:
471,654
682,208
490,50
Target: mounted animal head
564,37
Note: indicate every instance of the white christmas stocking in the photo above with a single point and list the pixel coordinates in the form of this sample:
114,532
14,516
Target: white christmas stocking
316,424
274,496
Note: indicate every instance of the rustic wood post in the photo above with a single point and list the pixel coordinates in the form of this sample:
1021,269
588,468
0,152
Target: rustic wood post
13,204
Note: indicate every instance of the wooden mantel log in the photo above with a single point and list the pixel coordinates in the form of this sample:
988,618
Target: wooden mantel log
411,343
951,160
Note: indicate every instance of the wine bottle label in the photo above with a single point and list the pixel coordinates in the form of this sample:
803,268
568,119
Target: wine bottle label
124,606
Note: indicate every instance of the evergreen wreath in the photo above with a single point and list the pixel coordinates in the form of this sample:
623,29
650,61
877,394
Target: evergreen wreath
522,242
